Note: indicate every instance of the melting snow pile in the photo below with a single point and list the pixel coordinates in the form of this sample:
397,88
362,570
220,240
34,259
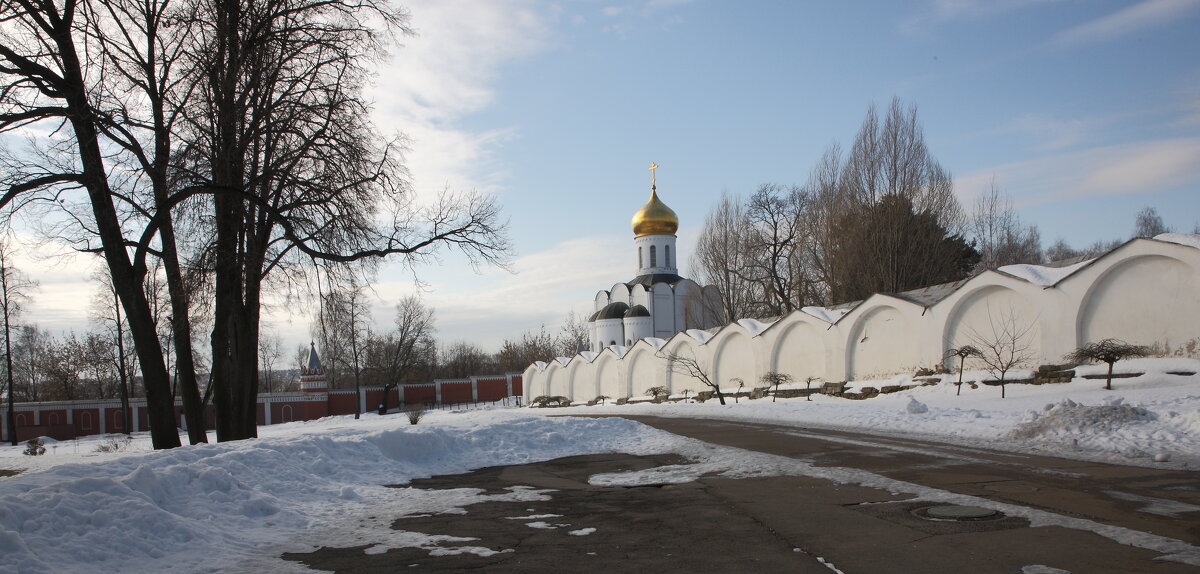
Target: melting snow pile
1070,418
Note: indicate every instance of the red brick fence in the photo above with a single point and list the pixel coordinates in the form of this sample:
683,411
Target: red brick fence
64,420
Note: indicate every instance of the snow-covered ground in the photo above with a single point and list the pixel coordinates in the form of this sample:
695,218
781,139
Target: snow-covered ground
238,506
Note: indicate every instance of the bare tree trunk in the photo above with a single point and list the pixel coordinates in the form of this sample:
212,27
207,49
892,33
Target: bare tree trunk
11,423
124,379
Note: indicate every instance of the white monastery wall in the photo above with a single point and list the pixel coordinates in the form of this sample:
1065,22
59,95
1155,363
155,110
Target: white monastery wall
1146,292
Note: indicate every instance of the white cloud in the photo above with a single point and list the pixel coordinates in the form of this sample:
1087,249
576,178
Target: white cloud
1140,167
1053,133
446,72
489,307
1130,20
939,12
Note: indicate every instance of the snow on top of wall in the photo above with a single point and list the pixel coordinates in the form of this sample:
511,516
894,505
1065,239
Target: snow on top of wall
541,365
1041,274
588,355
655,342
754,326
1189,239
699,335
825,313
563,360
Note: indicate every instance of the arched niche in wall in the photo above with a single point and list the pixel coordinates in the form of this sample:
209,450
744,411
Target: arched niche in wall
733,358
556,381
1145,300
989,315
799,351
678,380
882,342
608,382
643,370
581,380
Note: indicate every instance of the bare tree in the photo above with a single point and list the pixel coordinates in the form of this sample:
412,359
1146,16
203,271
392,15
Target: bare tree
999,236
1149,223
963,353
106,314
1107,351
270,348
572,335
460,359
282,141
533,346
774,379
408,346
691,366
53,77
722,257
775,238
15,288
1007,343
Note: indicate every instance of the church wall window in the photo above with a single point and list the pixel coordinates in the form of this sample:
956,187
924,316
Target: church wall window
653,257
640,257
667,255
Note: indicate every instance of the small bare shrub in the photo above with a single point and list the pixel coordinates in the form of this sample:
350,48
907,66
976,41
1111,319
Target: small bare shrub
414,413
114,444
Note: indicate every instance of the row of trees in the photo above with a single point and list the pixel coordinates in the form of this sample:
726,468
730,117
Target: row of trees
356,352
881,217
219,148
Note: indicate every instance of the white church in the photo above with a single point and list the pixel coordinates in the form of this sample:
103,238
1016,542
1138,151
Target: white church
1145,291
657,303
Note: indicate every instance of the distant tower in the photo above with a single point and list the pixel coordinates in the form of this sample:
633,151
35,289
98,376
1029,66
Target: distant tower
312,375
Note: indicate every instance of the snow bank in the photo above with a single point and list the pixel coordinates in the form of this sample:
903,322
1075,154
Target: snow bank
211,507
238,506
977,417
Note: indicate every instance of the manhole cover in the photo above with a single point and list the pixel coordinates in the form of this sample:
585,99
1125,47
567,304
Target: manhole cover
957,512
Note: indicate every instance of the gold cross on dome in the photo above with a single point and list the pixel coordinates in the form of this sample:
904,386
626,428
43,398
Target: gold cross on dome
653,166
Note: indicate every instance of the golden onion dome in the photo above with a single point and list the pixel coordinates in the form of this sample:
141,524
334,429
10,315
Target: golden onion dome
655,218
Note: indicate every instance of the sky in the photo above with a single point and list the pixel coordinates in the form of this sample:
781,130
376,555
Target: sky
1082,112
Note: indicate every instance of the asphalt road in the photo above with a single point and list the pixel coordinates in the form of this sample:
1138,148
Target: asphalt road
805,524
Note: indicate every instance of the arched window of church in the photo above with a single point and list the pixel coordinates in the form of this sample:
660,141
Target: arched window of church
653,257
640,257
667,254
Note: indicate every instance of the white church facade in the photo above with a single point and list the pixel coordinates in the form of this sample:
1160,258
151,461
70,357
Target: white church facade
657,302
1146,291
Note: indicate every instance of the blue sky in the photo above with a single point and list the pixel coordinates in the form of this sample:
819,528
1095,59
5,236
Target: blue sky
1083,111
